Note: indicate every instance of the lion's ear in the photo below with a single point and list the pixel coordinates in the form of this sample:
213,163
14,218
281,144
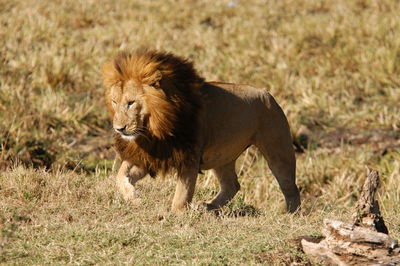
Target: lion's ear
154,80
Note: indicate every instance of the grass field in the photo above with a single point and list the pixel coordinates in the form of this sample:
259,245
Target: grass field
334,66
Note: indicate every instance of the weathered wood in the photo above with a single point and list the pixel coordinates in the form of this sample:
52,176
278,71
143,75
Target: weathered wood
346,244
356,234
321,253
363,243
367,208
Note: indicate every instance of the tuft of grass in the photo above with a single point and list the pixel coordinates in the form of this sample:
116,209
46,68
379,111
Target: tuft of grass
332,65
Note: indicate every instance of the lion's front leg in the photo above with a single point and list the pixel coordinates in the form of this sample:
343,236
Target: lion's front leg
127,176
229,184
184,190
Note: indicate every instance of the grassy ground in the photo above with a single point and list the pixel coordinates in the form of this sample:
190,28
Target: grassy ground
334,66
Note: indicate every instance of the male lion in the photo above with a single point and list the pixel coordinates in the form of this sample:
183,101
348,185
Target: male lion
168,119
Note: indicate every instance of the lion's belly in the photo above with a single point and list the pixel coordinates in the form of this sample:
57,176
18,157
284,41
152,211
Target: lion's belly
222,154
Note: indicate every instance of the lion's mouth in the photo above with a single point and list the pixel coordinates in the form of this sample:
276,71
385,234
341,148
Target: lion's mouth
129,136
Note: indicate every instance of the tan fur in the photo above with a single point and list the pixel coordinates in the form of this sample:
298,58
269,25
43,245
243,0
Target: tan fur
169,120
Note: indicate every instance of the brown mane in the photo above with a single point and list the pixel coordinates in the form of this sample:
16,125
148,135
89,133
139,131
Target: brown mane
171,139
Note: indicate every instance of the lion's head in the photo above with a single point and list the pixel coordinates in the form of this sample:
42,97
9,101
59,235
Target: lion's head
154,100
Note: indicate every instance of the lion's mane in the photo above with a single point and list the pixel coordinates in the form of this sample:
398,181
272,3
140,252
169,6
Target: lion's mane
173,110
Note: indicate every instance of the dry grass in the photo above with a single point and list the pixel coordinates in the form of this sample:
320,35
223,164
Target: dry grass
334,66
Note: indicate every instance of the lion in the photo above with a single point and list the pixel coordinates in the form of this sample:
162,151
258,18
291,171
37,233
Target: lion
168,119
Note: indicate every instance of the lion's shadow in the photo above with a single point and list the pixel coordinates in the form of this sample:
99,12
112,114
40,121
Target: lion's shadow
238,211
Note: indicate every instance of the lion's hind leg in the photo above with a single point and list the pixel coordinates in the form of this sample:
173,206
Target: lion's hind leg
282,163
275,143
229,185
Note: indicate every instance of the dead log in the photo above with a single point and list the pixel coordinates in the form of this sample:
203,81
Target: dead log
365,242
367,212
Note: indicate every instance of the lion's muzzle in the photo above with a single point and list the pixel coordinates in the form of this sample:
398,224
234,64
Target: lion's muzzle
125,134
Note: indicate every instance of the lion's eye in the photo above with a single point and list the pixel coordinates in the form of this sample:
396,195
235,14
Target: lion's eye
130,103
114,103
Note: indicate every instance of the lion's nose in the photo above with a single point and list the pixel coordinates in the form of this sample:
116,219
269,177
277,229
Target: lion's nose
120,129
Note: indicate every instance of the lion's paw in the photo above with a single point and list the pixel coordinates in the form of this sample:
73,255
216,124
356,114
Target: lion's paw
129,193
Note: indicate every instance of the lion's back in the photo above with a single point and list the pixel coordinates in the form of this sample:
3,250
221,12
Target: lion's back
240,105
